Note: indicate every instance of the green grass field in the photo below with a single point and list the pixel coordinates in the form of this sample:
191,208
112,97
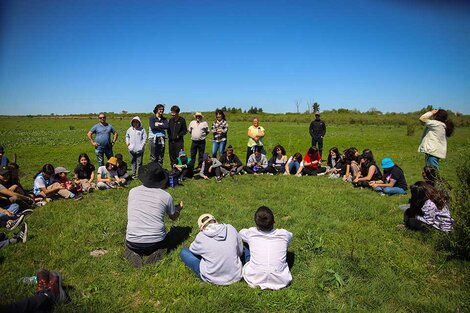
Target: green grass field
349,254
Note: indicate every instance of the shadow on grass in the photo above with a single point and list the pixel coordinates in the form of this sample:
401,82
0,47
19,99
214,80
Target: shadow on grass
290,259
177,235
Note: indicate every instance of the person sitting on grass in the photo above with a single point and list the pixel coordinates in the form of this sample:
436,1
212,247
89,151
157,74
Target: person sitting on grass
334,163
393,180
85,173
9,197
46,187
293,164
428,208
61,177
19,237
210,167
266,255
107,177
311,165
184,167
147,206
11,222
214,255
277,163
121,169
369,170
257,162
351,162
231,163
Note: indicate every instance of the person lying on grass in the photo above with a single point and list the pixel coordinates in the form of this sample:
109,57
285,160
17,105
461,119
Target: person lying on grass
266,254
393,180
45,187
429,208
214,255
146,208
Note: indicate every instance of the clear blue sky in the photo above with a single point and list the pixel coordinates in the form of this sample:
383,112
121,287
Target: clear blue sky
86,56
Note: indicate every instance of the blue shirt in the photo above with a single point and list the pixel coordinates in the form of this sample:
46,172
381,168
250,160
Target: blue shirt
40,182
103,133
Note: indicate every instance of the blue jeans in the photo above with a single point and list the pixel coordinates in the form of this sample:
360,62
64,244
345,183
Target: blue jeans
191,260
294,167
391,190
432,161
100,154
13,208
218,146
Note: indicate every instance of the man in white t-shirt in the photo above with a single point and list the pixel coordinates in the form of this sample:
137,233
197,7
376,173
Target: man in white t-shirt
266,258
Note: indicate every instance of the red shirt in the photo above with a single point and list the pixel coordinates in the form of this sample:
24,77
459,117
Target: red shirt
308,159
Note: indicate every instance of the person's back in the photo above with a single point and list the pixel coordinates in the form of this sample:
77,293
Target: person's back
267,267
219,246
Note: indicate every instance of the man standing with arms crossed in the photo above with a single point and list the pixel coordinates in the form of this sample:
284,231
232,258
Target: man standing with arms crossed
103,143
317,131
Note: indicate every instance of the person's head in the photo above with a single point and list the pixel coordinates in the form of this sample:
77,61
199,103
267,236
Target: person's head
422,191
48,171
350,155
183,157
264,218
442,116
102,118
229,151
278,151
387,164
297,156
430,174
61,171
112,163
204,220
135,122
206,158
312,151
367,156
152,175
257,151
198,116
83,159
175,110
219,115
317,116
256,122
119,158
159,109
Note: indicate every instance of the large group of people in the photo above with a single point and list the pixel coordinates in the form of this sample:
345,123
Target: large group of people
219,253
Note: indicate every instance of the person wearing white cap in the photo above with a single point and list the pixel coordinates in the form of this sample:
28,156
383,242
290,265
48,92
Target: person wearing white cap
198,128
214,255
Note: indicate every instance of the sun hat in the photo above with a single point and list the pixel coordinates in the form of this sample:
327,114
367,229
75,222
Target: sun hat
387,163
205,219
152,175
182,153
198,114
113,161
60,169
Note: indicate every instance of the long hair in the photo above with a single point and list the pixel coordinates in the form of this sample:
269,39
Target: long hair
297,156
219,111
312,151
278,146
350,155
338,156
84,155
442,116
421,192
46,169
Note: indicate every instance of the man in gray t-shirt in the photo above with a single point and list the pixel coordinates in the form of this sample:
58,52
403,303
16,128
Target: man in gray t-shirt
103,143
146,209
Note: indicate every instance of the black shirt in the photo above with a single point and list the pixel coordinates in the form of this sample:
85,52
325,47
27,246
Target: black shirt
84,172
398,176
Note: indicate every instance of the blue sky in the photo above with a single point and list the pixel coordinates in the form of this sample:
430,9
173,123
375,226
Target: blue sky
85,56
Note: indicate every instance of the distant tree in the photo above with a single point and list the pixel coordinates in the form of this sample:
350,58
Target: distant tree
316,107
124,112
52,114
374,111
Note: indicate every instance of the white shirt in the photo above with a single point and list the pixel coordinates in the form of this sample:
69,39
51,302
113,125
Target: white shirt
267,267
434,139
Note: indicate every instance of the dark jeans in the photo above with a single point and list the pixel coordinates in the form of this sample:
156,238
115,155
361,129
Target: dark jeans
249,170
319,141
198,147
38,302
157,149
313,171
100,153
174,147
173,238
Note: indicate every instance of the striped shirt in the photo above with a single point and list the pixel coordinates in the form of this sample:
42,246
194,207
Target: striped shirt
432,216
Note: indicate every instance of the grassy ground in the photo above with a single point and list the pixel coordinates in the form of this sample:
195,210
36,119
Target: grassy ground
349,255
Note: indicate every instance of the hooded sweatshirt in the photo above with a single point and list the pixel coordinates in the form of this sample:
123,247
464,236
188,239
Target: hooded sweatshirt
136,137
220,247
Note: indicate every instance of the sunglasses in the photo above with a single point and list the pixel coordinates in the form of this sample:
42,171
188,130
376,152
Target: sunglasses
102,117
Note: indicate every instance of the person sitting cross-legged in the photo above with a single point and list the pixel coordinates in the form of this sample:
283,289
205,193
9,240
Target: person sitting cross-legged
257,163
214,255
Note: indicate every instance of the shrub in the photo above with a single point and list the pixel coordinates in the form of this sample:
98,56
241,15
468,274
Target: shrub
71,127
410,129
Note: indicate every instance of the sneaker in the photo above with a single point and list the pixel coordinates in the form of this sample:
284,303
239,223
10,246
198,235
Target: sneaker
54,288
78,198
12,224
42,277
218,179
22,235
134,258
156,256
26,212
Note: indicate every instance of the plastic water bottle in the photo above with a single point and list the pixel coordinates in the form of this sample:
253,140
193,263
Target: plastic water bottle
33,280
172,181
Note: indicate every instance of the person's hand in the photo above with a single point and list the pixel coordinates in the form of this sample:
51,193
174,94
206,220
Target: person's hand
13,198
205,177
355,180
95,144
181,205
434,111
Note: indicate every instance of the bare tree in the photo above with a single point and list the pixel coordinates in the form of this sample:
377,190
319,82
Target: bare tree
297,104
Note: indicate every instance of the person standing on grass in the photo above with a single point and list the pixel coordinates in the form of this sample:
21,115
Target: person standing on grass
434,140
146,208
214,255
255,134
176,131
265,257
136,137
157,126
317,131
103,143
219,129
198,128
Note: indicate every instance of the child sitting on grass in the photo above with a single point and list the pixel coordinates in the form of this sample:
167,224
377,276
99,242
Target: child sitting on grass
266,257
85,173
61,177
45,187
107,177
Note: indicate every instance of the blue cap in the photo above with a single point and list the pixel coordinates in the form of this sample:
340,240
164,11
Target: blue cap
387,163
